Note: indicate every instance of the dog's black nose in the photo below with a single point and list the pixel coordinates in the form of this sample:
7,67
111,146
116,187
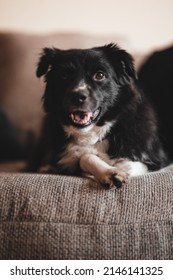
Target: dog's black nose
78,97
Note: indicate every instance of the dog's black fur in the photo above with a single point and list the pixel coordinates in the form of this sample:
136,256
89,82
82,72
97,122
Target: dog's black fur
93,88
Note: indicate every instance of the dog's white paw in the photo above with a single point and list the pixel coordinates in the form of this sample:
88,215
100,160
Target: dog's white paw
133,168
113,178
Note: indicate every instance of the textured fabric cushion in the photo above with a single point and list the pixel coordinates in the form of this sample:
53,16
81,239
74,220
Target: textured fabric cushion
61,217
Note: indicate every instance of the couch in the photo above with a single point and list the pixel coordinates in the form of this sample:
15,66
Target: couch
44,216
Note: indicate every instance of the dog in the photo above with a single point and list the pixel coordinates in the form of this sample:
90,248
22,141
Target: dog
98,122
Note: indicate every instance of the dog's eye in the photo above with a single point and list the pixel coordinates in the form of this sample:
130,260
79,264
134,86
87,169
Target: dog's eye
99,76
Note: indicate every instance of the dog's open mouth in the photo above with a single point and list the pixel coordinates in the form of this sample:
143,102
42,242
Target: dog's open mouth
81,119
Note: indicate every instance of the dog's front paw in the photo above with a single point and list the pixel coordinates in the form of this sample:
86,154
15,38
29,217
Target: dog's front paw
113,178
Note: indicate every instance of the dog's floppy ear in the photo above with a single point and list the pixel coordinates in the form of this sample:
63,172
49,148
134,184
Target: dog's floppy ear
46,60
122,61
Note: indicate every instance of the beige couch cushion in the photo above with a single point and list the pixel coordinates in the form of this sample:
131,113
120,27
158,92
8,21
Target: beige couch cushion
20,90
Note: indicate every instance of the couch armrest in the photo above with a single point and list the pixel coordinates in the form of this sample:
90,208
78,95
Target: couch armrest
63,217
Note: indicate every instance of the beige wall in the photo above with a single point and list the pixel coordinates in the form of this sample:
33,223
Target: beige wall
143,25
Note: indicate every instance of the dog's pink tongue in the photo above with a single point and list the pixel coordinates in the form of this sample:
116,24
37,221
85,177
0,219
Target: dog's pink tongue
81,118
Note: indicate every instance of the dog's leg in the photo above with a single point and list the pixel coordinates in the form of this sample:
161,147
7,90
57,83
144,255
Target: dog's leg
109,176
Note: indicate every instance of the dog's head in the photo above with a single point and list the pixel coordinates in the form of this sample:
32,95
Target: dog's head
83,85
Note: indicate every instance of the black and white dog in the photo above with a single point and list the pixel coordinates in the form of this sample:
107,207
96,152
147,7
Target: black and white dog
98,121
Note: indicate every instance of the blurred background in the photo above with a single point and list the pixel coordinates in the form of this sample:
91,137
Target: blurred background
143,25
139,26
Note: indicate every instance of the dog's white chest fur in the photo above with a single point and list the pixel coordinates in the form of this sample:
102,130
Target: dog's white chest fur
89,140
88,148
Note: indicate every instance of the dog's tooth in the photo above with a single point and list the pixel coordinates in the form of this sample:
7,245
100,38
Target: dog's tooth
72,116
